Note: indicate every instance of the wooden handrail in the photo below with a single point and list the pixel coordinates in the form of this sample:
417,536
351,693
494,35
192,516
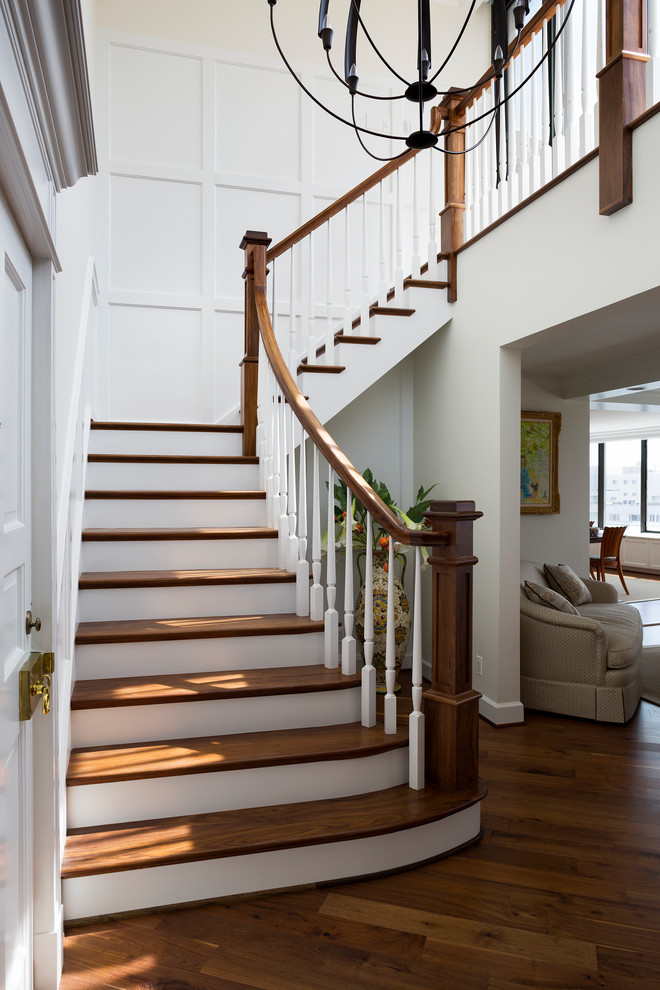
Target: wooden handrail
529,30
437,116
327,446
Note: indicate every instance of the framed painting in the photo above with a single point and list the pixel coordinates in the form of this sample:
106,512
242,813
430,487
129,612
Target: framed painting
539,455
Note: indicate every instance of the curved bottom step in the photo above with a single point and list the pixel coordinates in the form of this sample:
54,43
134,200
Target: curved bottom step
132,866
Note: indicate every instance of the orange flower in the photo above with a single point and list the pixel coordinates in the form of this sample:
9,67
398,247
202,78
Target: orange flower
386,567
359,528
384,541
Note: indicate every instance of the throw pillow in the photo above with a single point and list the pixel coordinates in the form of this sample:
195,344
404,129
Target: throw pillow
551,599
561,578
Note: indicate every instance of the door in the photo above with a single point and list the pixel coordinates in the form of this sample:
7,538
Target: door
16,795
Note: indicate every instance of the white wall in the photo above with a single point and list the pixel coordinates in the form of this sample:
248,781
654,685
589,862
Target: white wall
562,538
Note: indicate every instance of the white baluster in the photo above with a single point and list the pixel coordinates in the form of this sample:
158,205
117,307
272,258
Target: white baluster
390,650
329,333
293,340
478,174
302,571
348,644
484,212
398,268
586,87
546,143
275,478
311,321
491,140
316,591
365,301
416,719
273,303
469,167
369,671
432,251
348,306
416,257
503,188
572,127
535,142
653,64
292,547
383,287
331,644
558,140
523,136
512,144
283,526
600,61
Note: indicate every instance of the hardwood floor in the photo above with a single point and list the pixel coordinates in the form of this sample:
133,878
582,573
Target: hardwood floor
563,891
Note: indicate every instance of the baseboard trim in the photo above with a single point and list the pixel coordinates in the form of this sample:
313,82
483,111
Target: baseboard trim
508,713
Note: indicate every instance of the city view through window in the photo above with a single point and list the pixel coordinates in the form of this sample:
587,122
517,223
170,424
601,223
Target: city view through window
631,484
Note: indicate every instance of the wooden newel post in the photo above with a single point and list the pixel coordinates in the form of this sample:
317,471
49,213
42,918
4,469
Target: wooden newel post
621,98
453,215
255,244
450,705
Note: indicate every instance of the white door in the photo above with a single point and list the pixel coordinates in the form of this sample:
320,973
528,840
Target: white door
16,846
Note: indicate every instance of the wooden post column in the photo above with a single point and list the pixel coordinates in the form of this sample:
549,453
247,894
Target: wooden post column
255,244
621,98
453,214
451,707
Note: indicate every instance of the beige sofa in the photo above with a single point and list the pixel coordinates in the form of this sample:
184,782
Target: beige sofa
588,665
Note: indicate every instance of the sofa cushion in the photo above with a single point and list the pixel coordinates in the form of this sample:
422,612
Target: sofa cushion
623,626
541,595
563,579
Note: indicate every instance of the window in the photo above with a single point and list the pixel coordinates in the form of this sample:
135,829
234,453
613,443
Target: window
624,478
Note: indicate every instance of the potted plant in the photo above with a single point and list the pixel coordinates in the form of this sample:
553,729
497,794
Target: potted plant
413,518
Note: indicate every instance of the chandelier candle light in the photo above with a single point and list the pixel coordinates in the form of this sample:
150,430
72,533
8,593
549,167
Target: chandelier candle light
421,89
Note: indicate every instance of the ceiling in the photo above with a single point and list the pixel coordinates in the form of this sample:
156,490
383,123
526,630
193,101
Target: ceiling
604,352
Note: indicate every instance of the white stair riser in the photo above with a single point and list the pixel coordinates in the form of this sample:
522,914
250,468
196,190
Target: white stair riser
147,723
97,605
186,512
147,555
182,443
162,797
87,897
198,655
111,476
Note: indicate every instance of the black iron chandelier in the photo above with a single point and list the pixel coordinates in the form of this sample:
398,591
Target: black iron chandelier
421,89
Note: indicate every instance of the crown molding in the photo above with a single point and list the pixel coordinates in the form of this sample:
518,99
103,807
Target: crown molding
48,41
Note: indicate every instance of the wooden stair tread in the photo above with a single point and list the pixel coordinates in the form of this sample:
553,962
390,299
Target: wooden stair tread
116,692
151,493
321,369
421,283
169,427
342,338
242,751
170,459
390,311
180,533
199,627
178,578
189,838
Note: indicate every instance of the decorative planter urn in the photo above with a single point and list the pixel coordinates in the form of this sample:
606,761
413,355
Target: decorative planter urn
401,618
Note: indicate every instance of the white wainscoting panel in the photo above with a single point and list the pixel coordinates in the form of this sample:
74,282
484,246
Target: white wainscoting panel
154,362
155,107
258,122
155,235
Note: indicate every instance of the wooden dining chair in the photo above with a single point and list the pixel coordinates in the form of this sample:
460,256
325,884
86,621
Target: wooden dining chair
610,555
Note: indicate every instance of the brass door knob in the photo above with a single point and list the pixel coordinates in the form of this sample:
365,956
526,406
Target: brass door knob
31,624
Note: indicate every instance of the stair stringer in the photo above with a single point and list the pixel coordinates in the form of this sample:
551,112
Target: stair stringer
400,336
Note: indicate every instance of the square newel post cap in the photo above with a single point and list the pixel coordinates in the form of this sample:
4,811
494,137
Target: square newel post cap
456,519
456,511
254,237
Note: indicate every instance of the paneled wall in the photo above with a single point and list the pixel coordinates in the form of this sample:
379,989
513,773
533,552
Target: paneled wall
196,146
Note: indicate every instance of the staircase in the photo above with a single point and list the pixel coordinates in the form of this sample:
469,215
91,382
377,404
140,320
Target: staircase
213,752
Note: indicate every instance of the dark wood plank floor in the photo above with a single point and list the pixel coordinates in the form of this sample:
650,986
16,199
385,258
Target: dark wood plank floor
562,892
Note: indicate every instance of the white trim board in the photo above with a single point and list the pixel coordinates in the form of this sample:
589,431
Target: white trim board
504,713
